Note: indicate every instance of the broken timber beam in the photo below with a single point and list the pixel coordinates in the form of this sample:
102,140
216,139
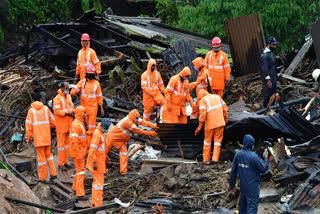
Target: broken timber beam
94,209
56,39
301,81
102,28
298,58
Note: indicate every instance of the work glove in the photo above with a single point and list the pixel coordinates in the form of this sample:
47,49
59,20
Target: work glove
197,132
154,126
151,133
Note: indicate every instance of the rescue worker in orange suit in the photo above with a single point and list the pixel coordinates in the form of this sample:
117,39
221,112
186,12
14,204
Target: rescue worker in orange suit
86,57
38,122
121,133
202,79
78,151
217,63
214,113
177,94
152,86
91,98
96,161
64,113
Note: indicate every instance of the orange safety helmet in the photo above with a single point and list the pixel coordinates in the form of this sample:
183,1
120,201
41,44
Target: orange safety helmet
216,42
85,36
91,69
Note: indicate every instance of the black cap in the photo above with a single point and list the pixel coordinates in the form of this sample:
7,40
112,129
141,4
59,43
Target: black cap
272,40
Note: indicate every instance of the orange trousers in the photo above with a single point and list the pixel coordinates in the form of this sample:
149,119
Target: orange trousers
97,189
218,92
91,123
63,148
123,157
78,179
45,157
217,135
147,110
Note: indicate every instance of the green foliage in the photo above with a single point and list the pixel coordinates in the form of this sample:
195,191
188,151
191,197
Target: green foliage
288,21
1,35
97,6
85,4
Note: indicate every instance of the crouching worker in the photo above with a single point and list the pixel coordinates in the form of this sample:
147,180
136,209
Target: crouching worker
78,151
248,166
121,133
214,113
96,161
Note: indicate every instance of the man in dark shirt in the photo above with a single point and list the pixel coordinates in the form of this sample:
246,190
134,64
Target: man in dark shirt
37,87
248,166
269,70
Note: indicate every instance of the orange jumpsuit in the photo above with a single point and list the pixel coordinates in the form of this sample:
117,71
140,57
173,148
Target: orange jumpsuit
38,123
177,94
78,150
62,104
202,79
219,70
97,153
214,113
121,133
152,86
91,97
87,56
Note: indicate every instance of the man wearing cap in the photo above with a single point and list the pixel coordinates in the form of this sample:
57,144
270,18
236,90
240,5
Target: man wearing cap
96,161
86,57
91,98
269,70
217,63
315,75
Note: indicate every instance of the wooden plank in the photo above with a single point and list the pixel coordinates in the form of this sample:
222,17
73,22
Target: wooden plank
298,58
301,81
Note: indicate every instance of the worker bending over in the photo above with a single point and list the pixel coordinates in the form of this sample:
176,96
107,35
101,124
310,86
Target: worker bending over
217,63
214,113
152,86
86,57
38,123
64,113
121,133
202,80
177,94
91,98
78,151
96,161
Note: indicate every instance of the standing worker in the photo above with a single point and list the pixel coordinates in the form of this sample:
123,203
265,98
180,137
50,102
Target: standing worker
152,86
202,79
64,112
38,87
91,98
217,63
214,113
249,166
38,123
269,71
78,151
177,94
86,57
121,133
96,161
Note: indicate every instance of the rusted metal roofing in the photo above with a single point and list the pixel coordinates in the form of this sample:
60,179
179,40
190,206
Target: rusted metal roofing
246,40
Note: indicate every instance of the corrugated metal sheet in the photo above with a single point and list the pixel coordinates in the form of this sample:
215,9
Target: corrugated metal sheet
171,133
315,32
246,40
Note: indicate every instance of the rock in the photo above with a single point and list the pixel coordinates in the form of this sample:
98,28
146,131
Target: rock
170,183
179,170
43,192
19,190
181,182
198,177
269,195
197,170
168,172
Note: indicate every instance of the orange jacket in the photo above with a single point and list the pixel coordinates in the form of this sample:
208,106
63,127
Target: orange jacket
203,75
97,151
121,133
177,93
219,68
62,104
78,137
86,57
38,123
91,95
151,84
213,111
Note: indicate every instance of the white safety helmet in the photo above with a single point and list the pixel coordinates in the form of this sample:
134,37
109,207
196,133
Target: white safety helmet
315,74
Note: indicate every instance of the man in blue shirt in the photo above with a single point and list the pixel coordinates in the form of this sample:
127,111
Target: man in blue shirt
248,166
269,70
